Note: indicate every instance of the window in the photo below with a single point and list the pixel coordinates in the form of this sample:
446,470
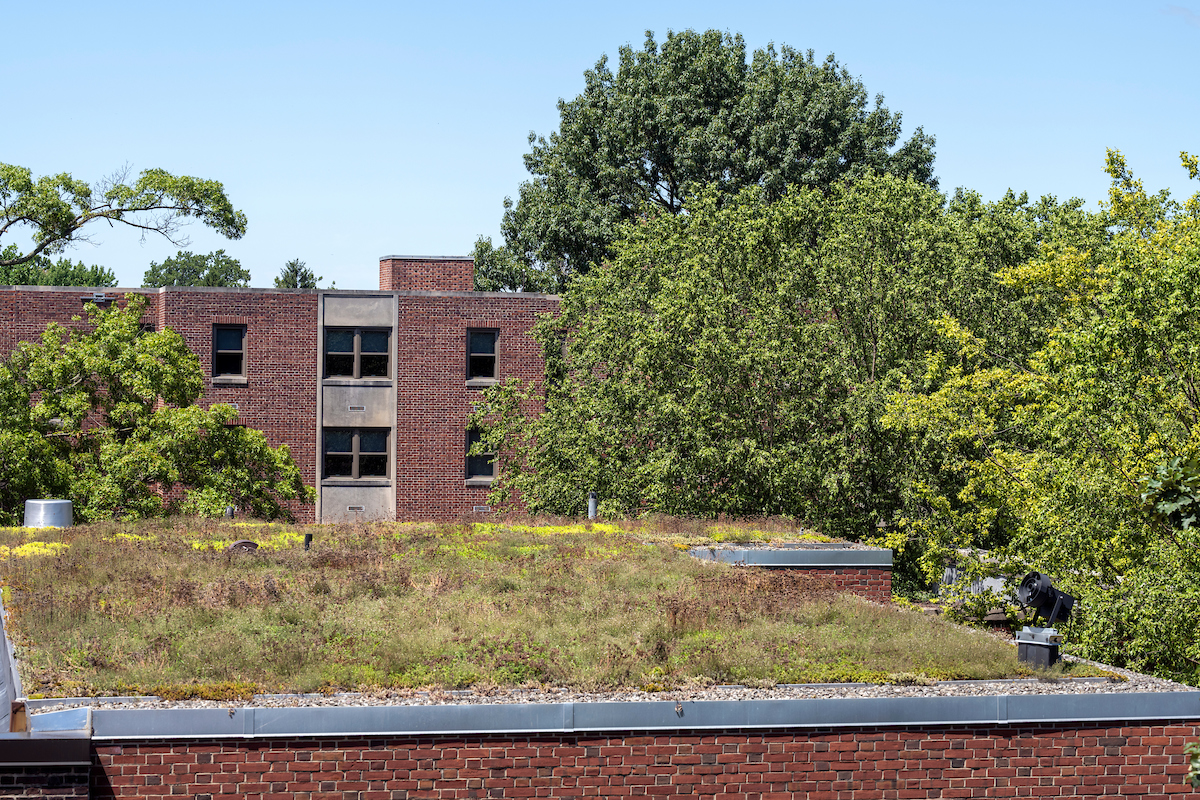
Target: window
356,352
355,453
229,351
481,355
480,468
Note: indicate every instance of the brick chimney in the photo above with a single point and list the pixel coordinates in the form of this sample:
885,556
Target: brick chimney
427,273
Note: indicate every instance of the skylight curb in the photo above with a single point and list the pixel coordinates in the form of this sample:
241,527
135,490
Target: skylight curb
796,558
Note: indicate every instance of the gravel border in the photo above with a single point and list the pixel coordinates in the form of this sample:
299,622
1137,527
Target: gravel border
1133,683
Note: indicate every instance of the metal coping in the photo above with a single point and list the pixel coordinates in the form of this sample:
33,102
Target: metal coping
428,258
753,557
534,718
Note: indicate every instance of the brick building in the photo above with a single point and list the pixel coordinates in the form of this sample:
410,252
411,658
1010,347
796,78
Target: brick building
371,390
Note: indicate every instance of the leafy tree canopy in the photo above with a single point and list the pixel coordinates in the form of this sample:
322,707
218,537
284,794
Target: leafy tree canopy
55,209
41,271
107,417
673,119
295,275
737,358
1079,459
190,269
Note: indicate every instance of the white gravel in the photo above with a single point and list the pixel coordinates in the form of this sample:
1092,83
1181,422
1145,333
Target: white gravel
1133,682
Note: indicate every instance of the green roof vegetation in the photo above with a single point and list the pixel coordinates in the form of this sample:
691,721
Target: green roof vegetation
162,607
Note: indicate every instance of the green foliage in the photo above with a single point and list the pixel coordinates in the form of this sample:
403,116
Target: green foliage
56,208
736,359
189,269
107,418
1078,459
497,270
677,118
295,275
1172,492
41,271
1191,751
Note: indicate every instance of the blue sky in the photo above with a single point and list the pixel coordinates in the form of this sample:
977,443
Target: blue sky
350,132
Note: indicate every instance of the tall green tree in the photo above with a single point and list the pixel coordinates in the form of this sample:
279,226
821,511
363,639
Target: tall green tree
41,271
1079,459
190,269
737,358
295,275
107,417
691,113
54,210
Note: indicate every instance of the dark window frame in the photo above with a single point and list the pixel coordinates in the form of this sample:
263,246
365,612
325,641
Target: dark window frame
218,354
356,453
473,472
357,353
474,357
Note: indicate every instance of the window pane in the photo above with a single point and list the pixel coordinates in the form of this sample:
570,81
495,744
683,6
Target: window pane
338,465
374,366
374,341
339,440
372,441
339,341
339,364
227,364
372,466
229,338
482,367
482,342
480,467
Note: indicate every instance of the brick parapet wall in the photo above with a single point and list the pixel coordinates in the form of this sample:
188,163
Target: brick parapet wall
414,273
1062,760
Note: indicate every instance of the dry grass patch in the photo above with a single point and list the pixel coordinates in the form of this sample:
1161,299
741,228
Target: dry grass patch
161,607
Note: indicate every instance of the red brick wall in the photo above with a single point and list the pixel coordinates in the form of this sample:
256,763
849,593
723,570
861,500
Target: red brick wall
434,402
427,274
24,313
871,583
1070,760
280,394
43,781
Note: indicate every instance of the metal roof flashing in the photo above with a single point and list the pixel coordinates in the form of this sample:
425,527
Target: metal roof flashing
795,558
253,722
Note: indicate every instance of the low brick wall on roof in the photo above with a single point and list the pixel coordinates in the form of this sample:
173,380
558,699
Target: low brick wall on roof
1060,760
870,583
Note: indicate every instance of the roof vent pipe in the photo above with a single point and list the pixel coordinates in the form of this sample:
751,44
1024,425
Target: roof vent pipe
48,514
